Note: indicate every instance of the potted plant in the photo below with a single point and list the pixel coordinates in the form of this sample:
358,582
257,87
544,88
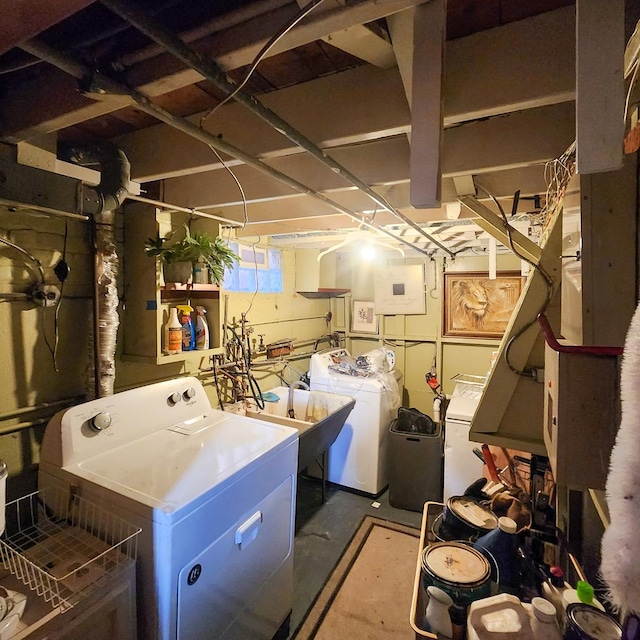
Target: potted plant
179,258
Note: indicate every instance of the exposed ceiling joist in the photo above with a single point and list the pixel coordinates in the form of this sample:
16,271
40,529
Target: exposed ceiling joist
528,138
28,18
501,231
372,105
231,49
364,43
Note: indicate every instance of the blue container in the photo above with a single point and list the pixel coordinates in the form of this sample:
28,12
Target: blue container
501,547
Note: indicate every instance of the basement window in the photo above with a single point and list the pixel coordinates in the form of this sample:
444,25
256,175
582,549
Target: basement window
258,269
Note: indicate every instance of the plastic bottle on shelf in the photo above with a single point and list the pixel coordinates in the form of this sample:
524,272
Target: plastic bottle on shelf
188,329
553,588
542,616
173,333
582,593
202,329
200,273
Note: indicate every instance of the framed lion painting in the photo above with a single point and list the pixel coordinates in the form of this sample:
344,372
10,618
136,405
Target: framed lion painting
477,307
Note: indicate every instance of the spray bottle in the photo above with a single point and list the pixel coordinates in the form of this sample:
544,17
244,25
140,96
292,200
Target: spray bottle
173,333
188,330
202,329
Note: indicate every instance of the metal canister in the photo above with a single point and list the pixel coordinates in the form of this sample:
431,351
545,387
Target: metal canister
458,569
585,622
464,518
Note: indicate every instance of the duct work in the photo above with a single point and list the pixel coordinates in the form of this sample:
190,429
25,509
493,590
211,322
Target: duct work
102,201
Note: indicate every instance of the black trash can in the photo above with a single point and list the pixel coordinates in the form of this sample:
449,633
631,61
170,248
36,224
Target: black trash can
416,447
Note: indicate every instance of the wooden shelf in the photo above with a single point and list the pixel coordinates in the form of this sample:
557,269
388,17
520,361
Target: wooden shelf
196,354
324,293
175,290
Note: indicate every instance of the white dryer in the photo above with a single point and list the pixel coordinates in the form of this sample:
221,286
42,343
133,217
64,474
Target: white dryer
461,466
213,492
358,457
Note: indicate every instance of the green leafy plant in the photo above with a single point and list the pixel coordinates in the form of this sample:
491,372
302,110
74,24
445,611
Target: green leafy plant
194,247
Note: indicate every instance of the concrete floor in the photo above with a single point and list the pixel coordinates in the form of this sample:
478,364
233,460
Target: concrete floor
323,532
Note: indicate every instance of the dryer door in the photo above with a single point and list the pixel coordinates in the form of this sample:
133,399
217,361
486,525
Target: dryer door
241,586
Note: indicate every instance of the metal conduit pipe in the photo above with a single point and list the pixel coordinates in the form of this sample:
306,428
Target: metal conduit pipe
208,69
101,85
225,21
175,207
21,426
67,402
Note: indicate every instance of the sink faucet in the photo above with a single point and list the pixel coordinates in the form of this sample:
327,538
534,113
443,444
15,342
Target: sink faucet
299,385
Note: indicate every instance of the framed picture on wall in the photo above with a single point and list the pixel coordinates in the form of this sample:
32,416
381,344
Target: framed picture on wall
364,318
477,307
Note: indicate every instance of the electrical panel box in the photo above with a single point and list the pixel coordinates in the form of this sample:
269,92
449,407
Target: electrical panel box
581,416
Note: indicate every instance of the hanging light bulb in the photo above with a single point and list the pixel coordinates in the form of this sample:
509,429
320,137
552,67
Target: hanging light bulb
368,252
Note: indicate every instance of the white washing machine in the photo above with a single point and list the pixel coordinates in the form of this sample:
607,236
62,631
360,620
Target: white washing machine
214,493
358,457
461,466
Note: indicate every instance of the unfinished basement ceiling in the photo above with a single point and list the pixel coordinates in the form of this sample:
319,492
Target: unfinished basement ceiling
340,76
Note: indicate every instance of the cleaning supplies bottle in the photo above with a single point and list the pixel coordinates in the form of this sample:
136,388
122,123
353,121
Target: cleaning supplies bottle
173,333
202,329
188,330
553,588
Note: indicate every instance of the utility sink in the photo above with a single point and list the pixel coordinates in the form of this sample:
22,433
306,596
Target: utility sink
318,416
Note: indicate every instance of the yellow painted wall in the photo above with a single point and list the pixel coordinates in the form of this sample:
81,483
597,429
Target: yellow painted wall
417,338
30,378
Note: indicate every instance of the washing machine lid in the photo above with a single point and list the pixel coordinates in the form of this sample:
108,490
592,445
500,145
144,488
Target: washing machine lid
346,385
319,362
171,468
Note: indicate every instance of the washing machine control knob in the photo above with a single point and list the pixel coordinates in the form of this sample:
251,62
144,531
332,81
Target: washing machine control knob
174,398
100,421
189,393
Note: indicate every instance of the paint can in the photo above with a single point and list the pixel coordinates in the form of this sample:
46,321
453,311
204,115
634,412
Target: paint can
464,518
458,569
585,622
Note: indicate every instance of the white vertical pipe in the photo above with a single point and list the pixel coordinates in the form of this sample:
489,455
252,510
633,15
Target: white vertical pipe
493,255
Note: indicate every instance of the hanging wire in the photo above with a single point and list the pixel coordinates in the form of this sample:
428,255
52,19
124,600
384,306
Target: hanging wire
256,61
557,174
630,90
262,53
245,211
549,291
54,350
26,253
238,184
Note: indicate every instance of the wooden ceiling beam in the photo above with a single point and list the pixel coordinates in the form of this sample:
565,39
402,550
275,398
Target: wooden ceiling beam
296,207
528,138
472,86
231,49
28,18
493,224
371,105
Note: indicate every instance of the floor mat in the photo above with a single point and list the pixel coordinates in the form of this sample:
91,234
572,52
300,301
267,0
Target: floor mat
368,595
